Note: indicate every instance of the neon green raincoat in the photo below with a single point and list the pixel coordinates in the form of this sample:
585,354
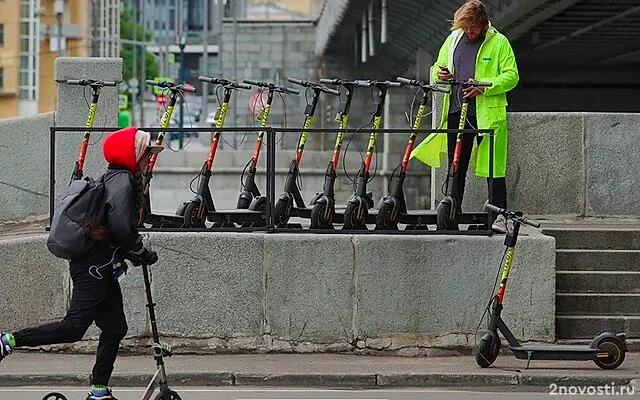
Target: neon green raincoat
495,63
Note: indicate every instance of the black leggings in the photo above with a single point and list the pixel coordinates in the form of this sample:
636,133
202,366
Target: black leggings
93,299
499,197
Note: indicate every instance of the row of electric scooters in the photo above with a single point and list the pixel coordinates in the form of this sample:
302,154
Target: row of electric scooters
322,213
252,205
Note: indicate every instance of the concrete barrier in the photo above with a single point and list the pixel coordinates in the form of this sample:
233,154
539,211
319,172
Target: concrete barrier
301,293
24,166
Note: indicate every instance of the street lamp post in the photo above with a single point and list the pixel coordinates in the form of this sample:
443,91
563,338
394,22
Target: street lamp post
181,74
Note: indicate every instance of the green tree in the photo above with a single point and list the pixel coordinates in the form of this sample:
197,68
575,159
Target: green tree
126,32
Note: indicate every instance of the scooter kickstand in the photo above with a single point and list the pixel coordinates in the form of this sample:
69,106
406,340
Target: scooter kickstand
529,354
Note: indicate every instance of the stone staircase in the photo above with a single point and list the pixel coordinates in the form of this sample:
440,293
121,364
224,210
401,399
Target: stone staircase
597,281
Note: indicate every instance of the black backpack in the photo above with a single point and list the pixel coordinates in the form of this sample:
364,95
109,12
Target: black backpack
82,202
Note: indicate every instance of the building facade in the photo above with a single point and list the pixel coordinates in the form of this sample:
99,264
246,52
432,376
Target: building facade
33,33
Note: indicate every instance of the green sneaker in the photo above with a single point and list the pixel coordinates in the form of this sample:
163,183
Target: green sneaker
100,394
7,343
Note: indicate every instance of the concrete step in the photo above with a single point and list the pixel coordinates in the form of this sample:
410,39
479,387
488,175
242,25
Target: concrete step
598,282
587,326
618,238
597,260
598,303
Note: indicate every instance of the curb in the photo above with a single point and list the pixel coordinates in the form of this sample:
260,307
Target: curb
359,381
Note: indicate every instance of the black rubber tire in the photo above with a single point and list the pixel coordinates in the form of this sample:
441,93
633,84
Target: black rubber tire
318,220
281,214
614,346
350,216
54,396
488,351
191,217
384,220
172,396
351,220
443,217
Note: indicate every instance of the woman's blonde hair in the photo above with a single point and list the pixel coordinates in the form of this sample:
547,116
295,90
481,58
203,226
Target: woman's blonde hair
473,12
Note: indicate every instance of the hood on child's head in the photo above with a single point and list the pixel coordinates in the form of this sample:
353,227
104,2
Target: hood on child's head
125,147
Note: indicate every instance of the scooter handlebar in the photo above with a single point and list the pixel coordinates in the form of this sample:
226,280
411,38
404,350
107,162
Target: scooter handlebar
88,82
224,82
170,85
423,84
345,82
288,90
469,83
313,85
512,215
386,83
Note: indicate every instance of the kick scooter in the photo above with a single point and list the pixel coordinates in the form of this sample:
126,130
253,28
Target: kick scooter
96,87
160,350
285,205
195,212
323,211
146,215
358,205
250,197
447,209
607,350
391,206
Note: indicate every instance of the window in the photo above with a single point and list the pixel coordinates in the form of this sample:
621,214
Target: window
1,34
1,77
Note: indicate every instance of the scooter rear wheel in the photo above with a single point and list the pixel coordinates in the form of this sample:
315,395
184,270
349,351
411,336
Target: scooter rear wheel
192,218
170,396
54,396
385,220
318,219
616,353
488,351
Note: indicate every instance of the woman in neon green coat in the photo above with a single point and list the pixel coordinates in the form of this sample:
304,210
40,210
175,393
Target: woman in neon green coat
474,49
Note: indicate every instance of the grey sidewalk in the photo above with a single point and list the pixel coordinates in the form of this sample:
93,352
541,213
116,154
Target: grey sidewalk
314,370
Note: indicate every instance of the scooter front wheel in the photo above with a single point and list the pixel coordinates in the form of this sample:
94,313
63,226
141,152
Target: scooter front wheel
282,212
616,353
319,219
445,220
351,218
488,350
170,395
385,219
194,217
54,396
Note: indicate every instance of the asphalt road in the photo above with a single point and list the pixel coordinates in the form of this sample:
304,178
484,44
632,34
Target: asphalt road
202,393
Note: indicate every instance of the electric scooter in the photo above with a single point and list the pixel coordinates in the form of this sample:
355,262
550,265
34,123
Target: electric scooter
160,350
195,212
145,214
358,205
607,350
285,205
323,211
447,209
96,87
391,206
250,197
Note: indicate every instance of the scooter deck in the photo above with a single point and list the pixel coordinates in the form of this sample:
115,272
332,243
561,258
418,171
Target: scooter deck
226,217
554,352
